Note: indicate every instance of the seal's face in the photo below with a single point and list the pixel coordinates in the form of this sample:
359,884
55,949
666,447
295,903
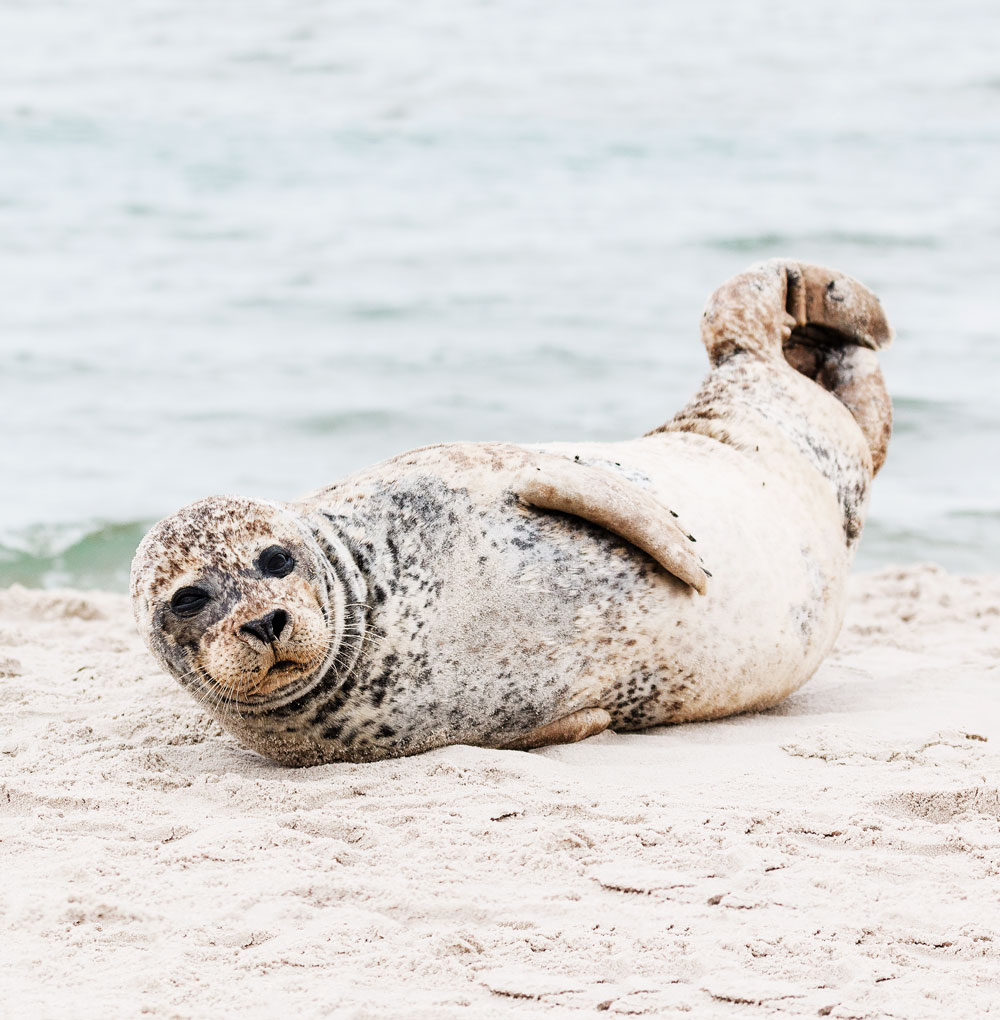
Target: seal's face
233,598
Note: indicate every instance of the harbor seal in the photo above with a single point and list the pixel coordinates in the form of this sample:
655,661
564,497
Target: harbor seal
513,596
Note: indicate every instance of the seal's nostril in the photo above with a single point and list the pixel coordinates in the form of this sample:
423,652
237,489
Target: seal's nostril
258,629
279,621
268,628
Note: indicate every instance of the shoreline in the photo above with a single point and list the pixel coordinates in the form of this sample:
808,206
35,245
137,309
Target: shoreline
837,855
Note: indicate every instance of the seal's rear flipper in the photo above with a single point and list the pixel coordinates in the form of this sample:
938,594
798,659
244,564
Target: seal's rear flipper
825,324
609,501
838,326
835,308
757,310
853,376
568,730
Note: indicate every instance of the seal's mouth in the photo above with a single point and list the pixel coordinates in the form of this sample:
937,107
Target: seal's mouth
280,674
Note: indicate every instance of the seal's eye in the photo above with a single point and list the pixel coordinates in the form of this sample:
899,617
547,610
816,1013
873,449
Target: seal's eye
276,562
189,601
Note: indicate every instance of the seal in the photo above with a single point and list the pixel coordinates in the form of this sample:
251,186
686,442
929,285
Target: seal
513,596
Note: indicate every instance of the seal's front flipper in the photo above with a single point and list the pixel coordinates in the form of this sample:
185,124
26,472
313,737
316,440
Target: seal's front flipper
609,501
568,730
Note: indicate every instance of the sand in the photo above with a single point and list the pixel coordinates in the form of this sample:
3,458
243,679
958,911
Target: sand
837,856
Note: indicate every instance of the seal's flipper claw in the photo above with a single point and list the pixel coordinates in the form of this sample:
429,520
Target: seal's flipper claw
578,726
606,499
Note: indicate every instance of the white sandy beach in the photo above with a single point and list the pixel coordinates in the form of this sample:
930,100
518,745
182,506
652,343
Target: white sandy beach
838,856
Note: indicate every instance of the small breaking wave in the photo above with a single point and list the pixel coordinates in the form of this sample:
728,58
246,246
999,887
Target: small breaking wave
91,555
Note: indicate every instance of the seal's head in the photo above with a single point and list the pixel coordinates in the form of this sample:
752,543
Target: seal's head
236,599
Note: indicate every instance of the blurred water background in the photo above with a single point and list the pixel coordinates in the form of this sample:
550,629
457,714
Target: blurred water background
250,247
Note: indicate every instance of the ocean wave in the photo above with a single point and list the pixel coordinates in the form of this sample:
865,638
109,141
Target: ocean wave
94,554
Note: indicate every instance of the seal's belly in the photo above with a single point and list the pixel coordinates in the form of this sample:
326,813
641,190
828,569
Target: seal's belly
539,614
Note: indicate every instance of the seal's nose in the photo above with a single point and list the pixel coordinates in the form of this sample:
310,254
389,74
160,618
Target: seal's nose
268,628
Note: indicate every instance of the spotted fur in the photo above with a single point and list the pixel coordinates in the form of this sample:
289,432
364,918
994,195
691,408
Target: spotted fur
430,605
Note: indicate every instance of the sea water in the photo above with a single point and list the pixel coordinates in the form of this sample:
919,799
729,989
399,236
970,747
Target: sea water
250,247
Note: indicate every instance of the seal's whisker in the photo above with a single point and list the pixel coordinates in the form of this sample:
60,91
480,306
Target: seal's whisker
207,699
367,635
378,642
337,660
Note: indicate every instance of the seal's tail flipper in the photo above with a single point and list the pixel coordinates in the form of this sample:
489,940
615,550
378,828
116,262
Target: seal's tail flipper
825,324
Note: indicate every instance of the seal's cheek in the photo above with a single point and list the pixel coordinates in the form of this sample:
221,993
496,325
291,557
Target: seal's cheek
177,649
